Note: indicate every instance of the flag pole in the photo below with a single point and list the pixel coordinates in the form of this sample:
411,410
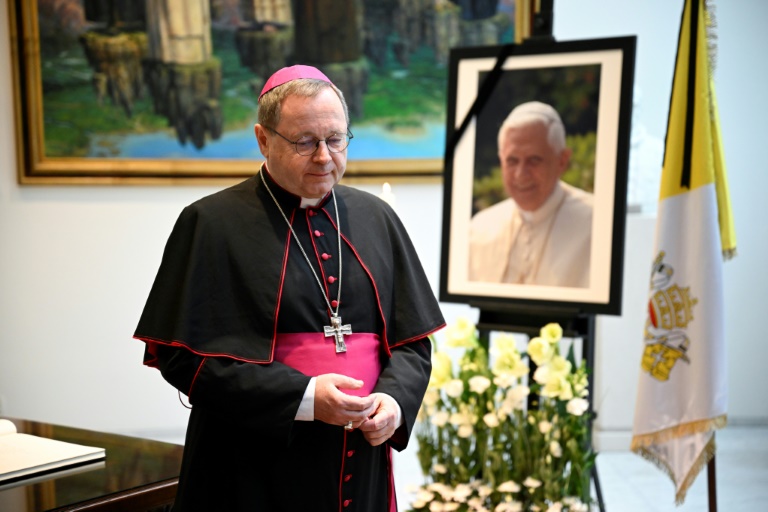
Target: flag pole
712,484
682,392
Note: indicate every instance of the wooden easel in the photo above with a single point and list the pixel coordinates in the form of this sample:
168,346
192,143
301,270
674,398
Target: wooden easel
529,321
575,324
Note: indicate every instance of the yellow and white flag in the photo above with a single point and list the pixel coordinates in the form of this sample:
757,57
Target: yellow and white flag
682,394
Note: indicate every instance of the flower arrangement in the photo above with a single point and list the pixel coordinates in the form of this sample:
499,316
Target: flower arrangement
483,449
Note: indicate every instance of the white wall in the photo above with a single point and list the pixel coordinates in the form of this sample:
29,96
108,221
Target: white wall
740,77
76,263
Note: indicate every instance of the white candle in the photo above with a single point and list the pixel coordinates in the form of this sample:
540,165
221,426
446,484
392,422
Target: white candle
387,195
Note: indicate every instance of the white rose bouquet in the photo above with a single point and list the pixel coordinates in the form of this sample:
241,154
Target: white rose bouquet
483,449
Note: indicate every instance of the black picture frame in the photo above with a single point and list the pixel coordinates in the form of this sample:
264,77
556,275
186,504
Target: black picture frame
596,75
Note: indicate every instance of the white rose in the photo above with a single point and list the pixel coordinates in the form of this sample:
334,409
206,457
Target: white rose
462,492
436,506
440,418
541,375
431,397
491,420
479,384
443,490
454,388
425,496
465,431
518,395
531,483
458,418
508,486
555,449
504,380
574,504
476,504
577,406
505,409
509,506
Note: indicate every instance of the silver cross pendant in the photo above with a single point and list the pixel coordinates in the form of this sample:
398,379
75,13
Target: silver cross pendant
338,331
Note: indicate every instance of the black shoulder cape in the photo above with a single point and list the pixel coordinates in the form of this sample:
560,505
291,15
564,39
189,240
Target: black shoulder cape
217,295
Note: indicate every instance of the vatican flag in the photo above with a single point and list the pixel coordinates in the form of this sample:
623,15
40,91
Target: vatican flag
682,394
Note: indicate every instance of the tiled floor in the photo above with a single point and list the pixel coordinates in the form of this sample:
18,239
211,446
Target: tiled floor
631,484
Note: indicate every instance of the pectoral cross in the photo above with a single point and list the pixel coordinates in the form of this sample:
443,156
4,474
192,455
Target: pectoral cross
338,331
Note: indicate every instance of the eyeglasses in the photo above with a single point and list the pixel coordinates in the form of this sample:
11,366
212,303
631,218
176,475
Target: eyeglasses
306,146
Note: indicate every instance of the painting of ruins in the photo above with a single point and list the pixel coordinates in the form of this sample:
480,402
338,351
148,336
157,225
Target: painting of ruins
144,89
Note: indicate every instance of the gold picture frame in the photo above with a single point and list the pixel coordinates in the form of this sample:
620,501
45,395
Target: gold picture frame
39,165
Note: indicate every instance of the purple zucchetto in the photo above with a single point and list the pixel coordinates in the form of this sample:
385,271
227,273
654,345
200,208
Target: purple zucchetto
291,73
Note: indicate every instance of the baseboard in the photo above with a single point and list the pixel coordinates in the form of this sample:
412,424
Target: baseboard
744,421
612,440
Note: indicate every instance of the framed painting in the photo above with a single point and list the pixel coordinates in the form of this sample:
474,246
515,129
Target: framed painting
536,175
112,92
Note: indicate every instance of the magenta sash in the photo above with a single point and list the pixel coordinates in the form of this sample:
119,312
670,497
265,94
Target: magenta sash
313,354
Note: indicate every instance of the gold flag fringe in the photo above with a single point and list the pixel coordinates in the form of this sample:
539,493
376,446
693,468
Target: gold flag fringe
729,254
685,429
656,461
706,455
710,20
640,445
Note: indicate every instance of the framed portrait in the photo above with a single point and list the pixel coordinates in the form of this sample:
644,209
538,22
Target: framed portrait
141,92
536,175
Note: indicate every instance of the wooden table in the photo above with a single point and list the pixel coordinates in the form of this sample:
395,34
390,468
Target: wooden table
138,475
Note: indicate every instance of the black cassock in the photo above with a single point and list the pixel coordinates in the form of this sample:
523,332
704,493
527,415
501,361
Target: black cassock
230,280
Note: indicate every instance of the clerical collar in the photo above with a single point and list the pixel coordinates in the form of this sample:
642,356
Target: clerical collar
336,329
306,202
546,209
289,199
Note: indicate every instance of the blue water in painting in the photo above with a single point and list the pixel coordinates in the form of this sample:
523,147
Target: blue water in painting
370,143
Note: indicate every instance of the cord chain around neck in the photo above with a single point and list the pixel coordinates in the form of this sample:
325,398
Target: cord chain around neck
334,313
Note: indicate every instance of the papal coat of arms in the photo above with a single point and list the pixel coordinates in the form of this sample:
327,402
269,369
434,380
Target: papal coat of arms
670,310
